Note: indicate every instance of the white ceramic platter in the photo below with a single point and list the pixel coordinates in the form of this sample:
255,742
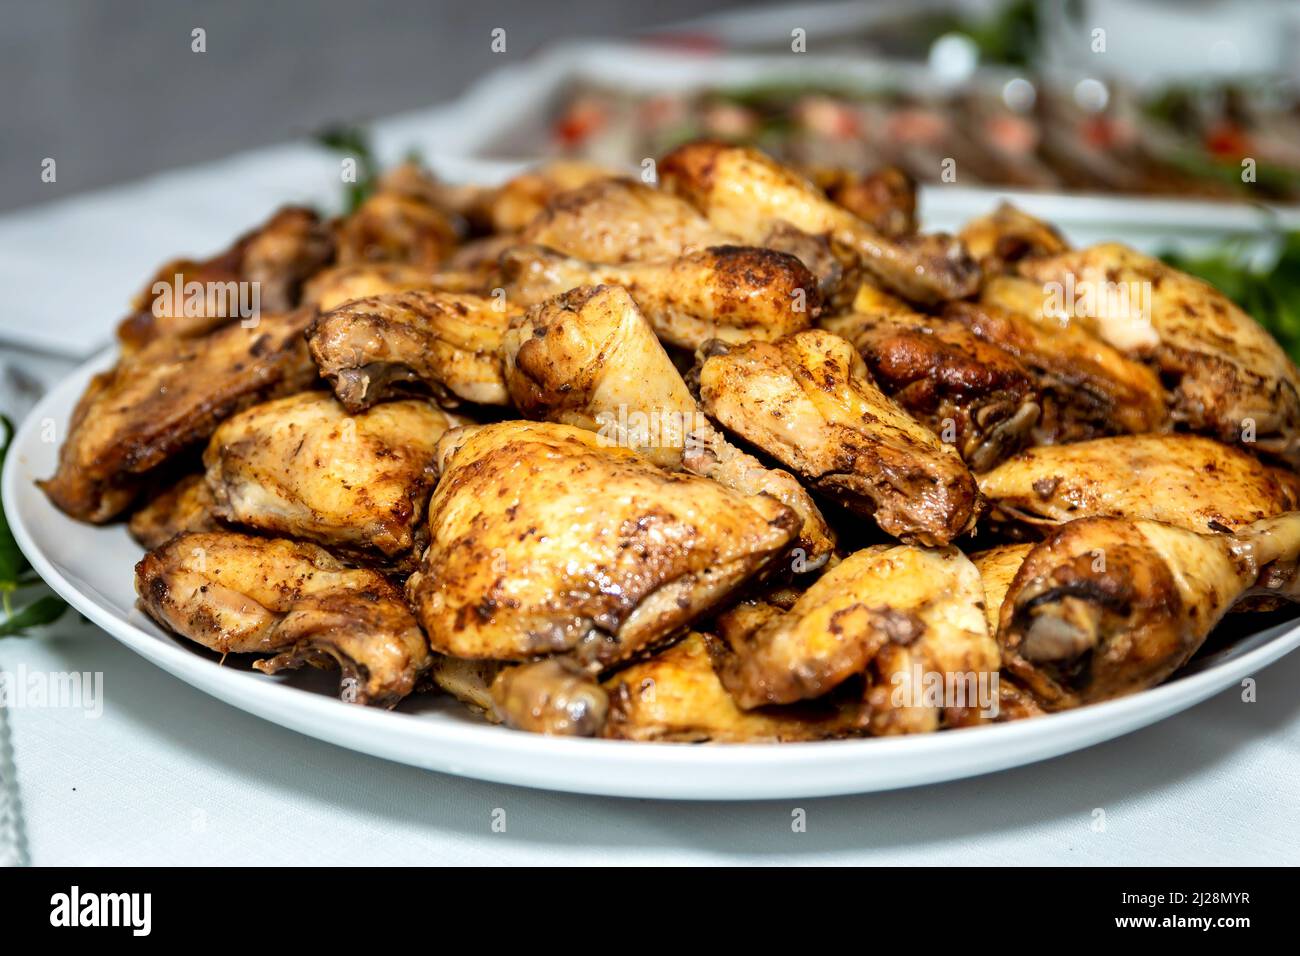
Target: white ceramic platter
92,568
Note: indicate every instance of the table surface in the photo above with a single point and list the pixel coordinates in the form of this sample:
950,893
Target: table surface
167,775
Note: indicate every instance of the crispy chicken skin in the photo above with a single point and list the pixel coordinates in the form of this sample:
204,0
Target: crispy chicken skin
277,256
1104,607
439,343
619,220
187,505
1230,378
546,540
1089,388
732,293
1183,480
886,612
968,391
809,402
589,358
745,193
166,398
1007,235
676,696
303,467
238,594
884,199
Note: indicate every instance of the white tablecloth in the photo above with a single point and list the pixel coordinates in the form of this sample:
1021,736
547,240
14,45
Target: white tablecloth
167,775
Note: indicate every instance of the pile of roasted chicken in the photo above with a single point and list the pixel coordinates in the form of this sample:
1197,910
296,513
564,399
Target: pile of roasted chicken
737,455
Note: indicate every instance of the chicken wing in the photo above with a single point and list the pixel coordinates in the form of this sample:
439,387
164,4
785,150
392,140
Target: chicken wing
555,696
618,220
237,594
545,540
1104,607
387,346
809,402
730,293
167,398
894,613
272,261
589,358
745,193
303,467
1230,378
676,696
972,394
332,287
187,505
1089,388
1183,480
514,204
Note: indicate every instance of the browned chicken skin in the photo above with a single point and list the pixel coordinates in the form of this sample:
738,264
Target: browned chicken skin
544,540
619,220
438,343
1183,480
1089,388
809,402
273,260
976,396
884,199
165,399
303,467
1231,379
1104,607
745,193
887,612
730,293
237,594
589,358
1007,235
187,505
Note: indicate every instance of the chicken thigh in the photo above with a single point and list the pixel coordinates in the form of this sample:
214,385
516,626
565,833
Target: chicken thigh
809,402
304,468
544,540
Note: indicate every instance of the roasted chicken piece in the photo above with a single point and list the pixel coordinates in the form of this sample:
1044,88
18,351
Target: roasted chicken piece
997,567
237,594
1183,480
332,287
263,271
894,613
545,540
303,467
167,398
555,696
514,204
1104,607
972,394
1007,235
884,199
1089,388
187,505
1230,378
746,193
619,220
676,696
589,358
809,401
439,343
396,225
730,293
